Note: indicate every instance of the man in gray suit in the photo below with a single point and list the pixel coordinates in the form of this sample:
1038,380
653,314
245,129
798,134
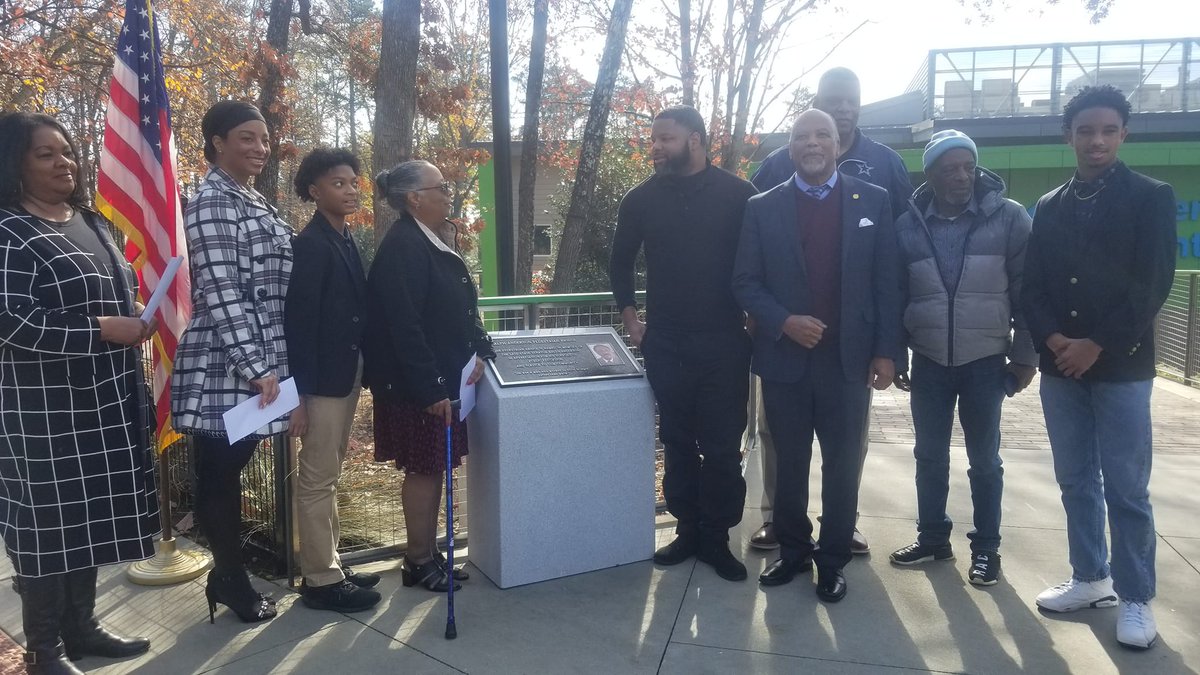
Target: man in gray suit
817,271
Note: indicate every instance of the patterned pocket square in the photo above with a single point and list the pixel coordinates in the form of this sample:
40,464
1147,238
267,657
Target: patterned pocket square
865,222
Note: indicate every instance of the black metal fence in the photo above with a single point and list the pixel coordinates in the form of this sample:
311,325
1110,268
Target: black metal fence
1177,330
265,527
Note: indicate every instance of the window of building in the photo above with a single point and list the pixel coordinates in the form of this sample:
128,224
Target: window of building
542,243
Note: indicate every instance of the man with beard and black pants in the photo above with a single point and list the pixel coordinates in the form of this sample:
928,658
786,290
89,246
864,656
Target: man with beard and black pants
686,217
817,271
840,95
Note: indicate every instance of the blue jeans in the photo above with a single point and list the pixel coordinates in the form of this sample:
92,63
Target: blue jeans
1101,438
978,388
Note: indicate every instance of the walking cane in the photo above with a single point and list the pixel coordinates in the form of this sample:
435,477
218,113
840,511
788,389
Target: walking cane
451,629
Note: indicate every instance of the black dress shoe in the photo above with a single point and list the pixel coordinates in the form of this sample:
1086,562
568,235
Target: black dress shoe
341,596
782,571
716,553
831,584
360,579
765,539
858,543
683,547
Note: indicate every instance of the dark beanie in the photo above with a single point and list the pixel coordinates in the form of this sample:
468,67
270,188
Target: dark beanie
222,118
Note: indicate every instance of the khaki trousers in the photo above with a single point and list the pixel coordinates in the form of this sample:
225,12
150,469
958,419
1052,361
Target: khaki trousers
322,451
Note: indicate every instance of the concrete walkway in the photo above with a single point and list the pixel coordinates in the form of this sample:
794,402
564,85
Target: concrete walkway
643,619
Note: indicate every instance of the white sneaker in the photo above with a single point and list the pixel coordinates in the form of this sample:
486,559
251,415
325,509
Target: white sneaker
1135,626
1072,595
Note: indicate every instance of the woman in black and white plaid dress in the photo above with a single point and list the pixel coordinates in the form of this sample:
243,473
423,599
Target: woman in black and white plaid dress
234,348
76,470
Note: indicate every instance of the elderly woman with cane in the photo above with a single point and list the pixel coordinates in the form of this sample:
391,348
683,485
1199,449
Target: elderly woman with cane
423,328
76,469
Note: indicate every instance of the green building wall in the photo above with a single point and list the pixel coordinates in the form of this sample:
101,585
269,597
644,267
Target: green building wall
1033,170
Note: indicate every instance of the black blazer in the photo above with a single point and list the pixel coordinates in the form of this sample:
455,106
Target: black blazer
1106,279
325,313
423,320
770,282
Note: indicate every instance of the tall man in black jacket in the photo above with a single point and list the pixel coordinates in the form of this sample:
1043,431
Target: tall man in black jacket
1100,263
324,317
687,217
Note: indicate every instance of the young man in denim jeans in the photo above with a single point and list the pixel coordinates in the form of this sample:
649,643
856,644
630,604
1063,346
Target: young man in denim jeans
1100,264
963,249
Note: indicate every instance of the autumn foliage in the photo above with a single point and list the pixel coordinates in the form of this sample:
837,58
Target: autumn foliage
56,56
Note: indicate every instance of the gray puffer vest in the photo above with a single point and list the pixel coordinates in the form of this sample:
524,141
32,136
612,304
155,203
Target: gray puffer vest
980,318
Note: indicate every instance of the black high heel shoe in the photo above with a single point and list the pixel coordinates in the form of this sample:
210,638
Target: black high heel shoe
460,572
235,592
431,574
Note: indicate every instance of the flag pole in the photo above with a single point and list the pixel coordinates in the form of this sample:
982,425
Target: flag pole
125,199
170,565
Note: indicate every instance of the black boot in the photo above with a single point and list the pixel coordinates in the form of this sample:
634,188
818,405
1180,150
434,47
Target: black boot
41,609
81,633
233,590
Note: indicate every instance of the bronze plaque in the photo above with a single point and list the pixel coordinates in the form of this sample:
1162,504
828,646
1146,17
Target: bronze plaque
555,357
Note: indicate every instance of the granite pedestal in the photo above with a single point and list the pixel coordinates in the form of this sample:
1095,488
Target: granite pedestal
561,477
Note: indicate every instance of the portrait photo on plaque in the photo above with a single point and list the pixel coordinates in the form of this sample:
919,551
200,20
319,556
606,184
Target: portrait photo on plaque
604,353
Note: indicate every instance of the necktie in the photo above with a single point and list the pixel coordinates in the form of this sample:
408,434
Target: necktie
817,191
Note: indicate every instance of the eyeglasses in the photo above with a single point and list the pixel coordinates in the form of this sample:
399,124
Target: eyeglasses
445,186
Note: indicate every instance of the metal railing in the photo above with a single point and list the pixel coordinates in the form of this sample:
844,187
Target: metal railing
1037,80
1177,330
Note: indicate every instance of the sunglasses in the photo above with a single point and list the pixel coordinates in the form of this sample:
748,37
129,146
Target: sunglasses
445,186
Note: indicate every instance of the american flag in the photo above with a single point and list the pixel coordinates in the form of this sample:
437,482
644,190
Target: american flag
138,191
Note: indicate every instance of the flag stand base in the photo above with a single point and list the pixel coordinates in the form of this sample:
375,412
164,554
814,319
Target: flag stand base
169,566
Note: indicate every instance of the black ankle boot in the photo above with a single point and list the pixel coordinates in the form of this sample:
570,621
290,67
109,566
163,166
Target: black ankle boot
41,609
233,590
82,634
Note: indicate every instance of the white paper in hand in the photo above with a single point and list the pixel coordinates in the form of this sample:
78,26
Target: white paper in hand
466,392
246,417
161,289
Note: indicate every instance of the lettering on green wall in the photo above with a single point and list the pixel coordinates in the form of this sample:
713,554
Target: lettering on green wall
1188,210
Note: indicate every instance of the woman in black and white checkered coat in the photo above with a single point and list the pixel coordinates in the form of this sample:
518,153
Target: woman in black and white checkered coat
76,470
233,348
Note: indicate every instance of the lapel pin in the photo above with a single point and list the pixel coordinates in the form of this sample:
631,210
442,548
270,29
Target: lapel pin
854,196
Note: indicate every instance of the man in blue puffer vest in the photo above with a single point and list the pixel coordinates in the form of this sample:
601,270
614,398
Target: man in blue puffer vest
963,248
